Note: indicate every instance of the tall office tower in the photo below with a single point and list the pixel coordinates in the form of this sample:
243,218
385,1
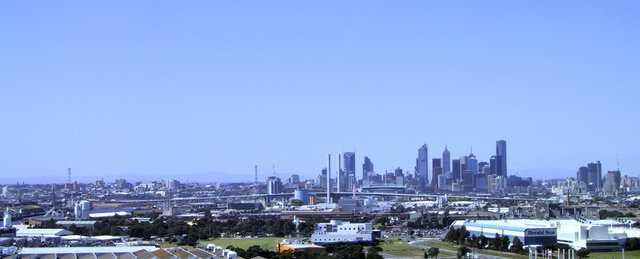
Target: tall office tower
583,175
463,166
436,170
274,185
472,164
399,177
446,161
455,166
348,166
422,167
322,178
594,172
367,168
612,183
495,163
501,151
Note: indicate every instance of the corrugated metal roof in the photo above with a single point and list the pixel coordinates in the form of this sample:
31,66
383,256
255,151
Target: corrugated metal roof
43,232
84,249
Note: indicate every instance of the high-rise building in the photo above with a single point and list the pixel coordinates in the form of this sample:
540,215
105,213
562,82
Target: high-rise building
322,178
594,173
612,183
472,164
495,163
399,177
436,170
274,185
367,168
446,161
348,167
583,175
501,151
422,166
455,167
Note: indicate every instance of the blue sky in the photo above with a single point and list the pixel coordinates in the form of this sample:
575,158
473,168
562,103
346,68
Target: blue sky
203,91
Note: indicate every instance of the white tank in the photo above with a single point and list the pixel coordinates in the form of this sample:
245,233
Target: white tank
7,219
77,210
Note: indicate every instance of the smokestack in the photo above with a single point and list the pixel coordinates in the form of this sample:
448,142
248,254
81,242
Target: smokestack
329,181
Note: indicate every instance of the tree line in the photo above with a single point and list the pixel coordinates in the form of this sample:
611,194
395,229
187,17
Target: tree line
462,237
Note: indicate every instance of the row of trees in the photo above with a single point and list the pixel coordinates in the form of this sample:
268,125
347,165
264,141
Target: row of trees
340,252
204,228
603,214
462,237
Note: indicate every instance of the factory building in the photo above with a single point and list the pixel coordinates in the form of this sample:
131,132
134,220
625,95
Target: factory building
530,232
592,235
339,232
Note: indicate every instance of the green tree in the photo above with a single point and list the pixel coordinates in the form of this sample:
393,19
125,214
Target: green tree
633,243
463,234
372,253
433,252
496,243
348,252
516,247
462,251
583,253
482,241
504,246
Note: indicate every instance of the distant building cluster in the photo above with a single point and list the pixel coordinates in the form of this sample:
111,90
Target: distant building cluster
442,174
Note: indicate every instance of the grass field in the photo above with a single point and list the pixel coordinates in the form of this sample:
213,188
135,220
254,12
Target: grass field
615,255
268,243
448,246
397,248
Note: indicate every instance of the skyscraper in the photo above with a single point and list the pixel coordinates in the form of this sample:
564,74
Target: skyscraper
594,173
501,151
274,185
349,163
446,161
348,168
367,168
583,175
422,166
472,164
436,170
455,166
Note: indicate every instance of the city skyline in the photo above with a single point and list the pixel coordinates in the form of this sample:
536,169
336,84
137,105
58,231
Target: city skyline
208,90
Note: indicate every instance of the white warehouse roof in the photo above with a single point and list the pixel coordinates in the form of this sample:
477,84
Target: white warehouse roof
31,232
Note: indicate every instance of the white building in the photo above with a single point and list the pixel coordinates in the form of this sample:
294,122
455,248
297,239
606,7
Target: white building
593,235
530,232
336,232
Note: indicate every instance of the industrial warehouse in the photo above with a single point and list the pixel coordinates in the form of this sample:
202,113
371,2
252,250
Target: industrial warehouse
600,235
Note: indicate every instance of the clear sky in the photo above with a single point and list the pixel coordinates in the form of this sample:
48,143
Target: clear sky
205,90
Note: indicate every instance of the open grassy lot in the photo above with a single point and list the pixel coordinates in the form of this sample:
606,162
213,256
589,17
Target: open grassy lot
400,249
615,255
244,243
452,247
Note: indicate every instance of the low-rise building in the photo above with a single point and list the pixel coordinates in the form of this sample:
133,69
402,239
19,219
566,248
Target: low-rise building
339,232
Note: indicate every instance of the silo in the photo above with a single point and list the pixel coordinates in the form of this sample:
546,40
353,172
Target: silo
302,195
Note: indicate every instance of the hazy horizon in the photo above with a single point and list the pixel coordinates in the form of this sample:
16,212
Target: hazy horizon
159,88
